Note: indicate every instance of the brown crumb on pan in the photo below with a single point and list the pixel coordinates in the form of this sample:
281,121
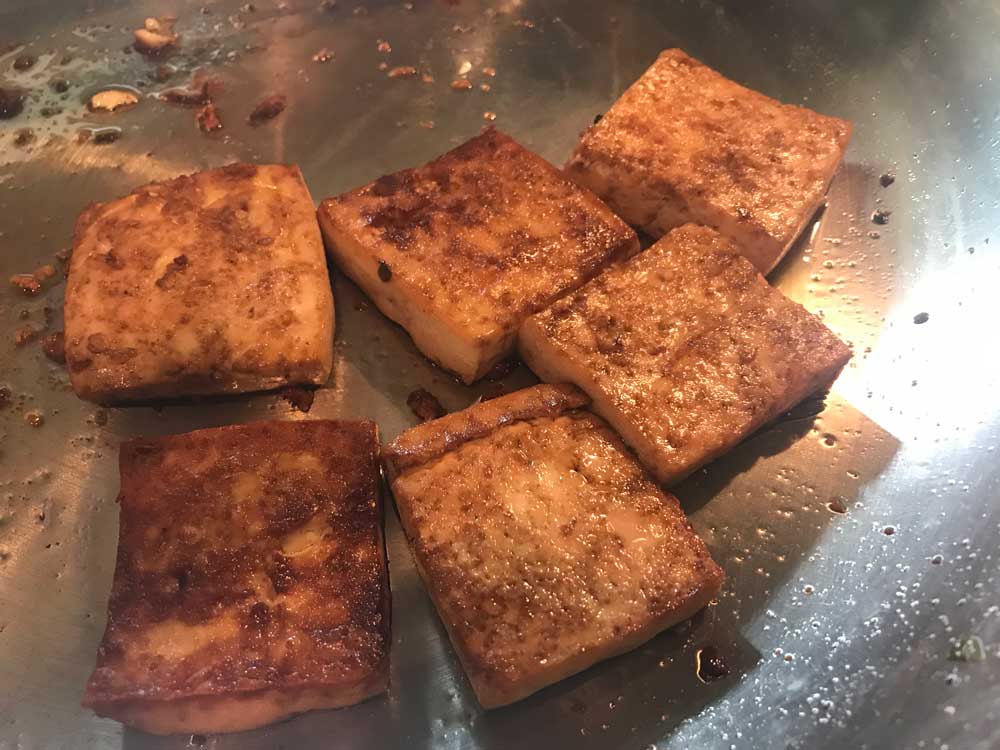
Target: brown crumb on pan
268,108
425,405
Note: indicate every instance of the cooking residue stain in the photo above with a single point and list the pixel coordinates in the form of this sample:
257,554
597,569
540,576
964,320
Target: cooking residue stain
710,665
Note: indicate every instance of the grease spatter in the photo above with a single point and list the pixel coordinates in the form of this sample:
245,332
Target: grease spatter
921,318
881,216
887,179
710,665
968,649
889,530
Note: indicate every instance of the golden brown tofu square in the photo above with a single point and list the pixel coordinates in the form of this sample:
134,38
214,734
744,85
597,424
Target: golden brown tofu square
685,144
685,350
210,283
251,580
544,544
460,251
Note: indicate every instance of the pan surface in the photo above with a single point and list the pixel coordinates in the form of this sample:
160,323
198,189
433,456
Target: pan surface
859,534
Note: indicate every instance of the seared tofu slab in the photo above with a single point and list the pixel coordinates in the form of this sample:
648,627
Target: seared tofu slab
251,581
684,144
460,251
211,283
544,544
685,350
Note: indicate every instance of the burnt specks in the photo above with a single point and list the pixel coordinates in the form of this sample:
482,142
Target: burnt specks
178,265
425,405
384,272
881,216
267,109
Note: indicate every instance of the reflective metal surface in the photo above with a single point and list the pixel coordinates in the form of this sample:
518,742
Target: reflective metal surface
837,625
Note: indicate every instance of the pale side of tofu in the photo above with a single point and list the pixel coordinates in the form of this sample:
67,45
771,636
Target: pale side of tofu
251,581
685,144
214,282
460,251
544,544
685,350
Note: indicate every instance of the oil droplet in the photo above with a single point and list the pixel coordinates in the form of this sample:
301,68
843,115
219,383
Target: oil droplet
837,506
34,418
710,664
889,530
937,559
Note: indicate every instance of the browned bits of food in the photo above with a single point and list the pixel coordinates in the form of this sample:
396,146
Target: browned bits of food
251,580
685,350
197,96
489,116
24,137
524,23
323,55
484,87
425,405
34,418
384,272
109,100
491,72
11,103
156,37
461,84
104,136
6,396
54,347
214,282
208,118
267,109
426,124
24,62
544,545
402,71
44,272
383,46
427,78
684,144
24,334
27,283
300,398
477,240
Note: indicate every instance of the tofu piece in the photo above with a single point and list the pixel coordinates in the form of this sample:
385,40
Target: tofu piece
684,144
251,581
544,544
460,251
211,283
685,350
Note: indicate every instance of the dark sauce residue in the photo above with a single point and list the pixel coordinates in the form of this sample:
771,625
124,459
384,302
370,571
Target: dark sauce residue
887,179
710,664
267,109
425,405
300,398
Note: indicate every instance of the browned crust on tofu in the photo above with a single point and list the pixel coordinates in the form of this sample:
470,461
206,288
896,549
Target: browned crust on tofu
535,583
685,144
685,350
428,441
209,283
461,250
251,580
